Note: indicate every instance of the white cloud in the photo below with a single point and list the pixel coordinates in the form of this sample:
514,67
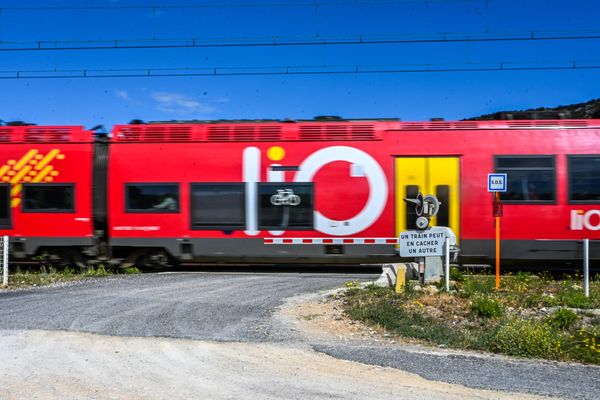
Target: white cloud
122,94
177,103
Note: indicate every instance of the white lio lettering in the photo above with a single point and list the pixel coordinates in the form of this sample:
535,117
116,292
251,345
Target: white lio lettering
371,170
589,220
251,176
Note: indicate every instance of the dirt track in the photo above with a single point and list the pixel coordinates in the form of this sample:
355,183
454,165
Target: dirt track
68,365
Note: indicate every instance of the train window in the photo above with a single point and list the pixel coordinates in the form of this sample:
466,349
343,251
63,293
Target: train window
48,197
4,206
286,206
151,198
524,162
218,206
442,192
531,179
584,179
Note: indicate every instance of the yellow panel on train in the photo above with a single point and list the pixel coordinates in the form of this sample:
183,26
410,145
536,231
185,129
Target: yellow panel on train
438,176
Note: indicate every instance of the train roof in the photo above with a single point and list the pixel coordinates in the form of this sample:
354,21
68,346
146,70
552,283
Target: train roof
45,134
322,118
314,130
272,130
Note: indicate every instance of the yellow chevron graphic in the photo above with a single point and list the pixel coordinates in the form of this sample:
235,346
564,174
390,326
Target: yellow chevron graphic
32,167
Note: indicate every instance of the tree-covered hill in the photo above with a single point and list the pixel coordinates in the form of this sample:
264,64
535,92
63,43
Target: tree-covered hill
590,109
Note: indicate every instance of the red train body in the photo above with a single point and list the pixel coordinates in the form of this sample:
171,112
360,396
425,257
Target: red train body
37,163
162,193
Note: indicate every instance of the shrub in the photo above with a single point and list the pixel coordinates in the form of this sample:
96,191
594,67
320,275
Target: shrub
383,313
575,298
518,337
456,275
584,345
487,307
523,277
351,292
521,281
562,318
532,299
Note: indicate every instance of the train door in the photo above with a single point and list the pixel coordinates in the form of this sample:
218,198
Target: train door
5,222
438,176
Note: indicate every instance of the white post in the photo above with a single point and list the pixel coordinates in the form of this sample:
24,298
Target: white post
447,264
5,261
586,267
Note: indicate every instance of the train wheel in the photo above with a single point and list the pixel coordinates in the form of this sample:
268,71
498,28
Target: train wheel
150,259
61,259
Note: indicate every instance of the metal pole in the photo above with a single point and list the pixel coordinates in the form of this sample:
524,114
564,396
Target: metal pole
447,266
5,261
586,267
497,245
421,270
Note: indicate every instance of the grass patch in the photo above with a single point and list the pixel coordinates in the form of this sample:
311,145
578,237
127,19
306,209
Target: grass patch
524,338
530,316
562,318
487,307
46,275
131,271
584,345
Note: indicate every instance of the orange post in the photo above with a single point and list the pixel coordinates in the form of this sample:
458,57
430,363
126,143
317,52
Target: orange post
497,244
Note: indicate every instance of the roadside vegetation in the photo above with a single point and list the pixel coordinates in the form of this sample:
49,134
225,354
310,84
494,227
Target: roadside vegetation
530,316
43,275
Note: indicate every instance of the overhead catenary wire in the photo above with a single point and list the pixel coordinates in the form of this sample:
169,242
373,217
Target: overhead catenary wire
311,3
297,70
123,44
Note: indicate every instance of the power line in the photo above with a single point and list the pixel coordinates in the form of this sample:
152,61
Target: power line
233,5
121,44
297,70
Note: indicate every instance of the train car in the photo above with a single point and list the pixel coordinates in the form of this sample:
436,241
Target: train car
213,192
46,192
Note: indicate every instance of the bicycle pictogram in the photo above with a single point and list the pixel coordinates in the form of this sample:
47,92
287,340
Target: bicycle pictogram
285,197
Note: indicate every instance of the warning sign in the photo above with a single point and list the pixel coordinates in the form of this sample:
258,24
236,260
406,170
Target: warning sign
422,243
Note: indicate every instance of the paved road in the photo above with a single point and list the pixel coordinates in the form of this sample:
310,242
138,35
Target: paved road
238,307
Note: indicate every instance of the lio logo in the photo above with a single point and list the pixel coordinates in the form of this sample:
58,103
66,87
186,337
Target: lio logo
308,168
589,220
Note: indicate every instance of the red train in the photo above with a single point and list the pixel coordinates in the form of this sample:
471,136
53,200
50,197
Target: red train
212,192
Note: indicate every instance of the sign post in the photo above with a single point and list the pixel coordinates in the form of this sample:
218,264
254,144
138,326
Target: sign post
4,246
447,264
497,184
586,267
425,244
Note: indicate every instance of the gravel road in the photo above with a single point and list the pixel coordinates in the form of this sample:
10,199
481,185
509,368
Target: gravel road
207,306
54,344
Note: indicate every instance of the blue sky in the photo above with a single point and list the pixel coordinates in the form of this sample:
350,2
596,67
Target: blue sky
406,95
